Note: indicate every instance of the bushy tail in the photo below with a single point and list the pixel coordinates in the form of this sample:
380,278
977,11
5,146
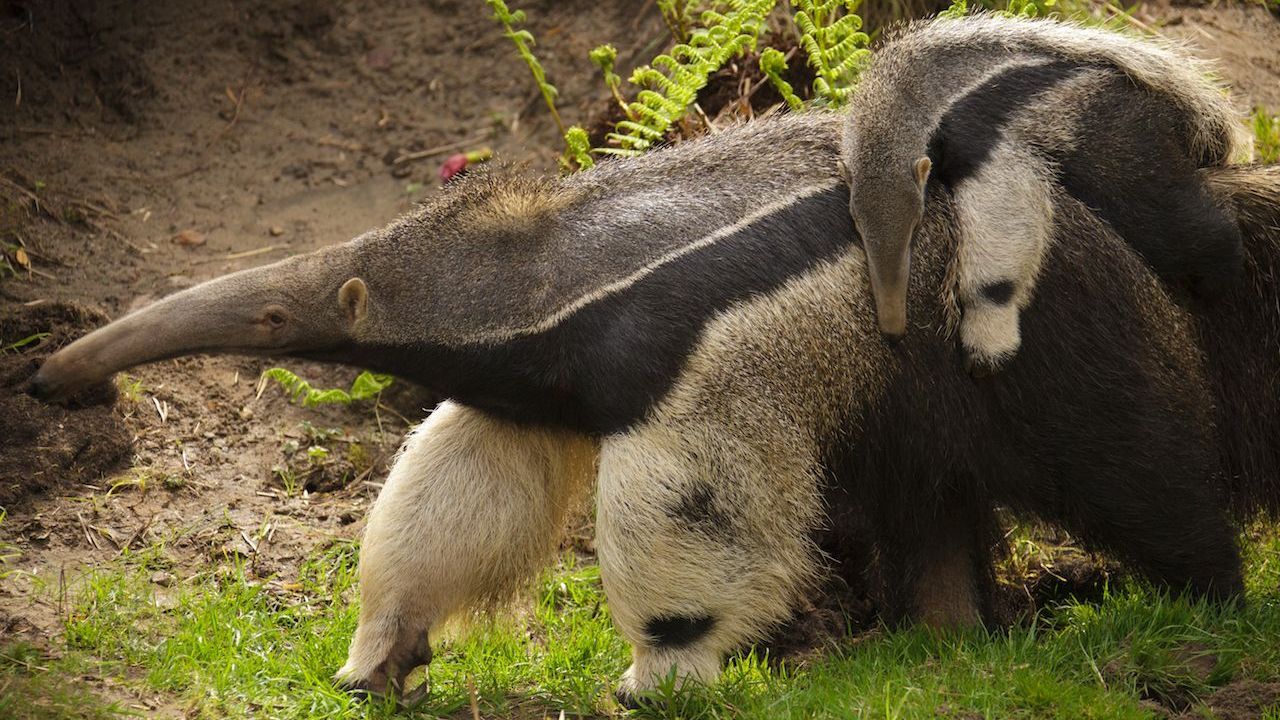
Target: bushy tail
1241,337
1156,63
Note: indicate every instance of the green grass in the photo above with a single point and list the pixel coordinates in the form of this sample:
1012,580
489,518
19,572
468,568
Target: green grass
1266,131
227,645
32,685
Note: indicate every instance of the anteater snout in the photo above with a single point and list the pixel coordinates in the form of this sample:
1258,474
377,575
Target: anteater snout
39,388
47,386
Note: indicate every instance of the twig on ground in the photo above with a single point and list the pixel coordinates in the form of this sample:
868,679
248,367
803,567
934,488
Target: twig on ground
439,149
235,115
88,536
136,535
250,253
86,205
405,420
332,141
162,409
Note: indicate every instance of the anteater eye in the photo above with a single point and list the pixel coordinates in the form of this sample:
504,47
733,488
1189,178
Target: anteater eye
276,319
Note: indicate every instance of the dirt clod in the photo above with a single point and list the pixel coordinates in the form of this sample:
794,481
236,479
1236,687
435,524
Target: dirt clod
1241,700
44,447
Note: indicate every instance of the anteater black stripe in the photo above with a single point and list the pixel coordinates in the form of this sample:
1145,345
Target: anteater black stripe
973,125
998,292
678,632
605,366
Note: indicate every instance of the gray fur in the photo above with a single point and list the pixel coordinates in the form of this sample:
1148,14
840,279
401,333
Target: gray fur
488,259
916,76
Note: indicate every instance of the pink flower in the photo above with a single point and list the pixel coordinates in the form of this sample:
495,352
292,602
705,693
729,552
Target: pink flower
453,165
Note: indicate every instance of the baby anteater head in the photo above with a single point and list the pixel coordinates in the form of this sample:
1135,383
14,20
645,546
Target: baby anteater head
887,207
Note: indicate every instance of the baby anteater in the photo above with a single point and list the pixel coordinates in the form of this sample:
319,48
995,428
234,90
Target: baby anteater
997,110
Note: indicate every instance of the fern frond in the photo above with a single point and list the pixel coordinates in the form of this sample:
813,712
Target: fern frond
577,150
773,64
523,39
367,385
604,57
672,81
832,38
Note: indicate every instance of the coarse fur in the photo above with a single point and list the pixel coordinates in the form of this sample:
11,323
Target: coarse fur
1117,147
724,358
1240,335
430,555
916,77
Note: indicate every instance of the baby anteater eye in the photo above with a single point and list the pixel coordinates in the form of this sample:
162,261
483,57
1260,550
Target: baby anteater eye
276,318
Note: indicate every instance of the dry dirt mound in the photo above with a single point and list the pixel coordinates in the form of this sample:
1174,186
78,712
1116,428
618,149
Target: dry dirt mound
1241,700
47,446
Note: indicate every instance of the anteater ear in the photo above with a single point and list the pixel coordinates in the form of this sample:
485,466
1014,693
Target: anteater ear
353,298
923,166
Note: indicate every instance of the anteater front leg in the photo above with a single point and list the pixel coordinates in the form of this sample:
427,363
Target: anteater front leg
471,510
704,544
1005,217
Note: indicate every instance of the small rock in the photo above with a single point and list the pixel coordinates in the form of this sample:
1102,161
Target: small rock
276,231
162,578
380,58
246,413
401,171
188,238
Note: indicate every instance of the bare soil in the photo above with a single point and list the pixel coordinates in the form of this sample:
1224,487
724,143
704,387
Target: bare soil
1239,700
147,146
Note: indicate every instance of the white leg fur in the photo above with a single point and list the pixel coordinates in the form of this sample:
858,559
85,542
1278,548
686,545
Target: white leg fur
694,523
1005,215
471,509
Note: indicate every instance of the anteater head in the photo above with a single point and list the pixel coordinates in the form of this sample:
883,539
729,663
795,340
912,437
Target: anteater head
887,206
300,305
397,299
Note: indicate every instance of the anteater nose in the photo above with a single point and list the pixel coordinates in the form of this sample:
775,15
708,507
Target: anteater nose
39,387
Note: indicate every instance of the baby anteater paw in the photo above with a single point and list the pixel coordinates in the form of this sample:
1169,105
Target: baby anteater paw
989,330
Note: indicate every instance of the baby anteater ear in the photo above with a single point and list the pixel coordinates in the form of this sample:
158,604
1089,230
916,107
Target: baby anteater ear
923,166
353,298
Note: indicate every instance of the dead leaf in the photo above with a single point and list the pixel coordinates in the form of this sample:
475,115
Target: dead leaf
188,238
380,58
20,256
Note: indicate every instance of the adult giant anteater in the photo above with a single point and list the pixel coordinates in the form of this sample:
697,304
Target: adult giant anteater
692,331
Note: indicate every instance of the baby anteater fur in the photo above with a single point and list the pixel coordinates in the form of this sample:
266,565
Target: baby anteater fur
691,330
922,75
1002,150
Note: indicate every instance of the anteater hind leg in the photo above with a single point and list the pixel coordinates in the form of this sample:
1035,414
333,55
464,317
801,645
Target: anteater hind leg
1174,529
1005,217
704,546
934,561
472,508
1218,262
